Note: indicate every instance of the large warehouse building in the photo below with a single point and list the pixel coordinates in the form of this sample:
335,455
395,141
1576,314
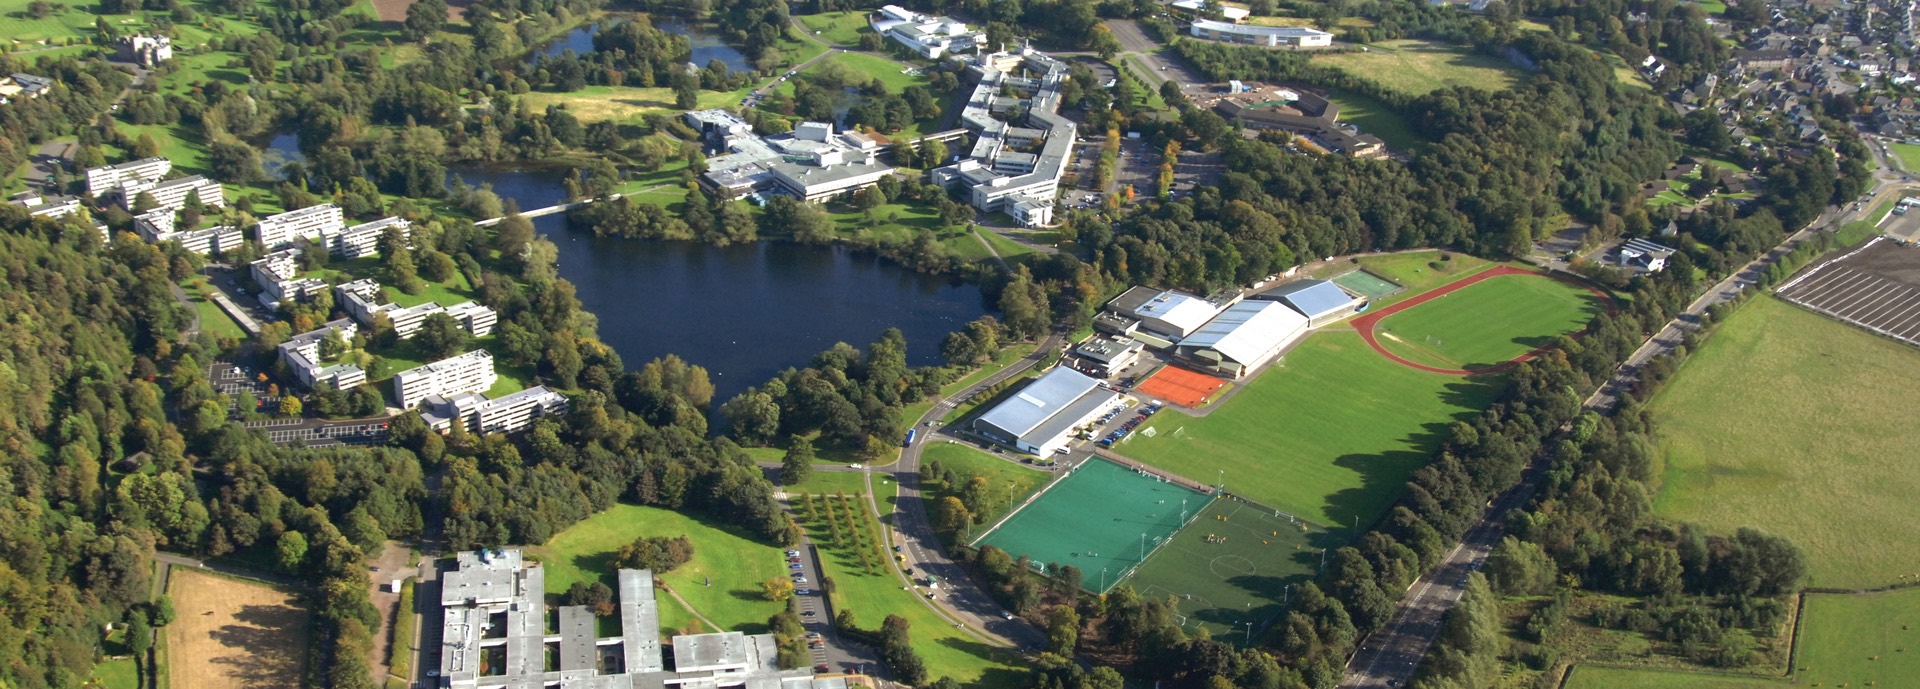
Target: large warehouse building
1040,418
1320,301
1242,338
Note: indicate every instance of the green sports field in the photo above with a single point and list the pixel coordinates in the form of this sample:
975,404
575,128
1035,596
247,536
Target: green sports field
1232,566
1329,434
1489,322
1845,640
1801,426
1102,517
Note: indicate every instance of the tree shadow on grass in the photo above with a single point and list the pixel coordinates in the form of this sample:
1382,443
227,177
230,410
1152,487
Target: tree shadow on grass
1384,475
987,653
262,650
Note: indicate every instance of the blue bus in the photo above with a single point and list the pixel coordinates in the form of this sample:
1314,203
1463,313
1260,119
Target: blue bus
910,433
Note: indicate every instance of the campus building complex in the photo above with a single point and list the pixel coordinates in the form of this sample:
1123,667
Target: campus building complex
932,37
157,226
1270,36
1157,317
494,633
302,355
1040,418
278,276
469,372
1015,169
812,162
172,194
1298,111
508,414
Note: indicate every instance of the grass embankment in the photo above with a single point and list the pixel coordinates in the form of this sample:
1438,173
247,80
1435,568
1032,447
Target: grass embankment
1416,67
1907,155
871,591
1490,322
1006,484
838,28
1374,117
735,564
400,648
1799,425
1329,434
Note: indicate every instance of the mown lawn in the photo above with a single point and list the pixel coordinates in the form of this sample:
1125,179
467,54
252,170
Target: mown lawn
872,596
1416,67
1008,484
1802,426
1489,322
1330,433
1374,117
623,103
1908,155
735,563
1596,677
838,28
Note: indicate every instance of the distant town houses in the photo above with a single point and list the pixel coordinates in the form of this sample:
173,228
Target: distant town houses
144,50
22,86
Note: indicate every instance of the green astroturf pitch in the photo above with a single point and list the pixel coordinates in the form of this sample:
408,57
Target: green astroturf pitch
1232,566
1366,284
1103,516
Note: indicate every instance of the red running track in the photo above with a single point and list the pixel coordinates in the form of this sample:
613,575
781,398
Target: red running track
1364,324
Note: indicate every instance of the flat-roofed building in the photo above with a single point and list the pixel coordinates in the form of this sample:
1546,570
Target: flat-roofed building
1243,338
364,239
1254,34
172,194
105,180
1320,301
302,356
1198,8
48,206
494,634
223,239
469,372
1105,356
475,317
510,413
278,275
1644,255
1172,314
278,231
929,36
717,124
812,163
995,174
1040,418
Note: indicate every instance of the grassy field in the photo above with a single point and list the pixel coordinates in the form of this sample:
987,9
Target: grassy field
1907,155
213,319
1859,230
628,104
1416,272
1845,640
736,563
1330,433
116,674
1742,445
1374,117
1232,567
838,28
1416,67
1489,322
67,23
871,597
232,634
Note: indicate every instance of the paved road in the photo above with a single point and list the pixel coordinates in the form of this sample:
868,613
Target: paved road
816,613
1388,657
961,599
1140,54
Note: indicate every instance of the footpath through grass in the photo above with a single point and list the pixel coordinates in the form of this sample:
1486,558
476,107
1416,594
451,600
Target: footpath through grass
1330,433
736,564
1489,322
1802,426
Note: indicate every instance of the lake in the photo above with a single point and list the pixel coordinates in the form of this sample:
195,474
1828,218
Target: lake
706,46
744,312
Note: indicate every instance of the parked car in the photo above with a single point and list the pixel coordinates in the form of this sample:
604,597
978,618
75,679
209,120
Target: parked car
799,579
796,565
793,553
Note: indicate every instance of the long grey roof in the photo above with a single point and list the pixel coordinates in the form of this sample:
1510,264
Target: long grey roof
1047,402
1313,298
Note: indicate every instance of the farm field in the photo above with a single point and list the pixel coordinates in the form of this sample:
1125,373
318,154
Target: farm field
232,634
1845,640
1416,67
873,596
1374,117
1329,434
1490,322
1742,447
736,564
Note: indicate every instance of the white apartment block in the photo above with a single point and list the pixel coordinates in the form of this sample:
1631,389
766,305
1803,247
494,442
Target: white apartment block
104,180
361,299
173,193
157,226
932,37
302,355
364,239
510,414
469,372
475,317
48,206
277,231
277,274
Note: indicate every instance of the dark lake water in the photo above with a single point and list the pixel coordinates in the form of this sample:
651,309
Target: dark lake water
744,312
706,46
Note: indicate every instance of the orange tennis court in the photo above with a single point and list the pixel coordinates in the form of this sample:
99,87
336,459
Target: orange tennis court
1181,386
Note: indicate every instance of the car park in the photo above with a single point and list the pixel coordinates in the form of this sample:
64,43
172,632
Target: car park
799,579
